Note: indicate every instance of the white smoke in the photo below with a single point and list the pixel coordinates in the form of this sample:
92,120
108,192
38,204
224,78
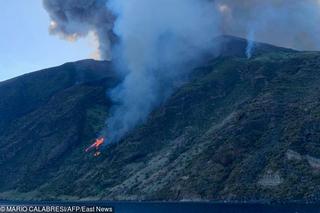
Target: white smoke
287,23
157,40
250,44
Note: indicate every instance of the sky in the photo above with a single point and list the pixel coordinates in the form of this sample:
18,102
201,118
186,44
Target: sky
25,42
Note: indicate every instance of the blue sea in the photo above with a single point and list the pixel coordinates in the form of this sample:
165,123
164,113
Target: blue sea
170,207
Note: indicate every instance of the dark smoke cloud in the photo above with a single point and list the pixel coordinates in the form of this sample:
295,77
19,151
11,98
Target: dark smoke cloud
72,19
157,40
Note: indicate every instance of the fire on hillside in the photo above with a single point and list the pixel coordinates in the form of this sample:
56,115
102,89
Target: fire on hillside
96,146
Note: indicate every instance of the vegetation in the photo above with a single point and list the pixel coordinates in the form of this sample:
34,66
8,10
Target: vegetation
241,129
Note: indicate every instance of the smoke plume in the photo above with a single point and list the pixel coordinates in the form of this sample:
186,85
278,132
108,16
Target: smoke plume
72,19
250,44
286,23
159,40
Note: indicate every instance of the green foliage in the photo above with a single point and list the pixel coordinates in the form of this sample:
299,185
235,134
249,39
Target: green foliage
216,138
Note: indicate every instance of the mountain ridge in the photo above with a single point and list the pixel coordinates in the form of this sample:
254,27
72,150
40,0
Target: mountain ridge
235,131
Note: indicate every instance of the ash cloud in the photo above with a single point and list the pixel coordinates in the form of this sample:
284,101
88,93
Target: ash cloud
158,41
72,19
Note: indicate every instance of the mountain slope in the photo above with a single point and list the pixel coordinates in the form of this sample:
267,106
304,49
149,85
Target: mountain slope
240,129
25,93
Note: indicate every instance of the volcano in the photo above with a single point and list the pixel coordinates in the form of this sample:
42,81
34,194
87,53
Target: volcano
239,129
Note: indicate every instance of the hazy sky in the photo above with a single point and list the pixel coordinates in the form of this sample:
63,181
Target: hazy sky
25,44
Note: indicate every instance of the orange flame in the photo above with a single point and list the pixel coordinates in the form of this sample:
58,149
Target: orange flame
96,144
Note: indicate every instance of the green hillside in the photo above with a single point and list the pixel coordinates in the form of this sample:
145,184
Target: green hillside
240,129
